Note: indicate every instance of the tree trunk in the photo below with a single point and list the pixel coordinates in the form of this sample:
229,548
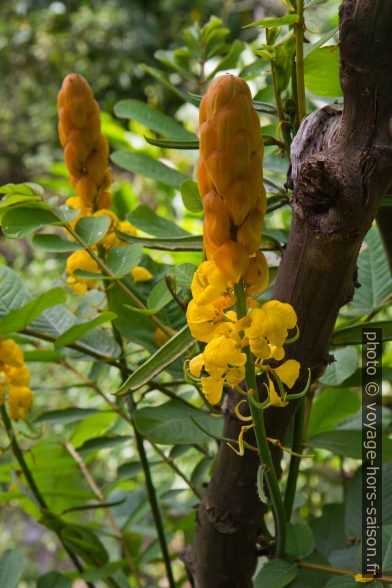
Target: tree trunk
340,175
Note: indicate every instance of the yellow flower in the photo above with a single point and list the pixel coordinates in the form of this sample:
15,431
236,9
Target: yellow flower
288,372
361,580
18,376
126,227
267,328
10,353
212,388
196,365
80,260
274,397
160,337
223,352
20,399
141,274
203,320
209,285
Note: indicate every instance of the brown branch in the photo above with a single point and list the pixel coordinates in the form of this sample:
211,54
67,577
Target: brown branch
338,187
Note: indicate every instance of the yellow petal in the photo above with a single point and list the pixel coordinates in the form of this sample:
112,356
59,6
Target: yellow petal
212,389
20,399
10,353
360,579
288,372
141,274
274,398
235,375
196,365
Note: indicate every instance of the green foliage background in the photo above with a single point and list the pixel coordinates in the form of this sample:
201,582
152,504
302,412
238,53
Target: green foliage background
108,42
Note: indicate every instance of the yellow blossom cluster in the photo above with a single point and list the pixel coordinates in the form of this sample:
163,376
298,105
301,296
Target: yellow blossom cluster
86,154
15,378
234,202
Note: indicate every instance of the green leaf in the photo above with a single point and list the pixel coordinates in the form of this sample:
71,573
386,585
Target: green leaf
18,222
143,164
18,319
54,580
353,334
53,321
322,72
13,199
11,567
309,47
121,260
54,244
373,275
103,442
162,78
168,353
342,582
230,60
153,119
330,407
347,443
25,189
191,196
159,296
267,23
92,228
353,522
188,243
77,331
172,144
345,364
147,220
42,355
276,573
299,540
64,416
329,529
170,423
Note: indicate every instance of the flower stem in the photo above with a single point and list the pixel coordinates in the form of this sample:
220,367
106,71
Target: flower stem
299,61
261,437
152,497
295,460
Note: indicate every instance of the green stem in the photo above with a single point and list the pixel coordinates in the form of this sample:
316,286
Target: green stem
261,437
299,61
284,123
295,460
147,471
16,450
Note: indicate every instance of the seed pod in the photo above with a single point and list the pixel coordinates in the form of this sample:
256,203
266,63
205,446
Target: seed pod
230,175
86,150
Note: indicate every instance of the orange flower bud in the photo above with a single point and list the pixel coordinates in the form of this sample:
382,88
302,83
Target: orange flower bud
257,275
104,200
230,174
249,233
86,190
217,219
232,260
86,150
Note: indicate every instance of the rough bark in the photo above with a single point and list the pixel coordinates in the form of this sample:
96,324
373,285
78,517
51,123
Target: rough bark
339,179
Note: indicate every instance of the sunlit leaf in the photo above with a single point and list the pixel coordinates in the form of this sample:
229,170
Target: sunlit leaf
153,119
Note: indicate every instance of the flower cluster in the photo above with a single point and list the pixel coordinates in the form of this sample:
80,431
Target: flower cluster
86,154
15,378
234,202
